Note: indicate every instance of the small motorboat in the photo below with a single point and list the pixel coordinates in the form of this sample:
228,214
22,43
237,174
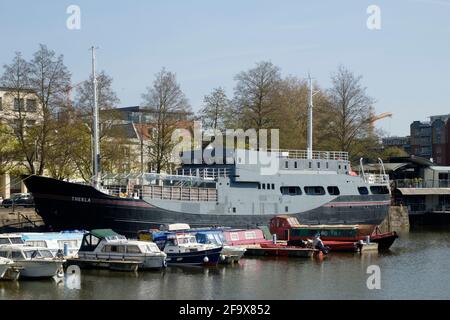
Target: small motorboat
104,248
230,254
67,242
183,249
34,262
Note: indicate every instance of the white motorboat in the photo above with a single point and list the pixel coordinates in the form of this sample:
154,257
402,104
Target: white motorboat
34,262
5,264
66,242
106,246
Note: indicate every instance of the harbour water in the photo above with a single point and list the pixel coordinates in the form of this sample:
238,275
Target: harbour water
416,267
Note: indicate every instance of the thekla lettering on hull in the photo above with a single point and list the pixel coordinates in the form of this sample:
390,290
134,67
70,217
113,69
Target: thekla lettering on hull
207,311
78,199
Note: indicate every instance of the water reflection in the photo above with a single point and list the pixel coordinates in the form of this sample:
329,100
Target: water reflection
415,267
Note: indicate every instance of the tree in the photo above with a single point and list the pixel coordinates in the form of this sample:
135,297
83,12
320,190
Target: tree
351,110
255,96
8,149
168,106
115,148
49,79
391,152
16,79
215,109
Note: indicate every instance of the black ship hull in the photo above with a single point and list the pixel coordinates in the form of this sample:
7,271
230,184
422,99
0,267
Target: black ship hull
64,206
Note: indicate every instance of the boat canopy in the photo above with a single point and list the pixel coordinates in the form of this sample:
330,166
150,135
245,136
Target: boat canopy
104,233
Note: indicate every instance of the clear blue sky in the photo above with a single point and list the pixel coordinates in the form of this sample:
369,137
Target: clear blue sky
405,65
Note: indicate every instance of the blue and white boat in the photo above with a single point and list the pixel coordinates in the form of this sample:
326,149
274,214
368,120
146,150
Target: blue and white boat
66,242
182,248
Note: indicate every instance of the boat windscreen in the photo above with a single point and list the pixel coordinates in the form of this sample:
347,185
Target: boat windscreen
17,240
46,253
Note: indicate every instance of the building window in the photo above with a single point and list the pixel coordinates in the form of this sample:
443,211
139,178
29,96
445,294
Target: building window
310,165
286,164
295,165
318,165
286,209
234,210
315,191
31,105
264,186
259,186
31,123
18,104
273,186
1,105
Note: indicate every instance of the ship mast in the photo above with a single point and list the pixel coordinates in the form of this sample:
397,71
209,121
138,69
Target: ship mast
310,120
95,179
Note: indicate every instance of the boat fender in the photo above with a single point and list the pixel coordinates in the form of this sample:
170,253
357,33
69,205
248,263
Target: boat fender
164,264
205,259
222,257
60,273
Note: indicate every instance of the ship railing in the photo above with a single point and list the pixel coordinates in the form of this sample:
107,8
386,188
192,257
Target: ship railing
180,193
164,193
372,178
315,155
205,173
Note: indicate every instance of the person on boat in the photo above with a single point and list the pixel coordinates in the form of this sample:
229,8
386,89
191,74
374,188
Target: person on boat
318,244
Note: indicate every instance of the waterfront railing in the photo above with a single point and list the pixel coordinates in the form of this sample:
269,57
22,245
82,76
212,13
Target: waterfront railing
419,183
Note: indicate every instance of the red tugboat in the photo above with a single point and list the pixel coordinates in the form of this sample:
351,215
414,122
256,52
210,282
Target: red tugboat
337,237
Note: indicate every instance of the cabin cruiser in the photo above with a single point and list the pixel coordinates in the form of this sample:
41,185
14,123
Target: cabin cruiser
182,248
106,246
34,262
5,264
67,242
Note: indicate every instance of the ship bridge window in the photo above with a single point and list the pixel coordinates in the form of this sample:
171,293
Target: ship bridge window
291,191
334,191
379,190
315,191
363,191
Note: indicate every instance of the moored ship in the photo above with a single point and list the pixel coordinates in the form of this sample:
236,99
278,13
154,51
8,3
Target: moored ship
223,187
321,189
